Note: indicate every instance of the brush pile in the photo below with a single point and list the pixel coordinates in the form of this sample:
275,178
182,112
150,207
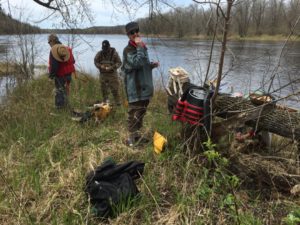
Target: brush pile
254,164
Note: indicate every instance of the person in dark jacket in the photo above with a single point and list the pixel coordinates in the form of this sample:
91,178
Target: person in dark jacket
138,80
61,67
108,61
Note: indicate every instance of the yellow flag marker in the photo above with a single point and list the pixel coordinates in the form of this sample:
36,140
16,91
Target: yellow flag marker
159,142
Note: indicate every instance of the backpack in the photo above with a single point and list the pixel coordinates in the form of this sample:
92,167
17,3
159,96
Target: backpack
111,184
193,107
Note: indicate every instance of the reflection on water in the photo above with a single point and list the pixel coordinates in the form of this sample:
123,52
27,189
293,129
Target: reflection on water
6,84
248,66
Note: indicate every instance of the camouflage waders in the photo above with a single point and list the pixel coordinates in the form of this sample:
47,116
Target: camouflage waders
108,62
110,82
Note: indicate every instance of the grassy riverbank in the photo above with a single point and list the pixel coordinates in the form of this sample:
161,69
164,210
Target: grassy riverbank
7,68
44,158
265,38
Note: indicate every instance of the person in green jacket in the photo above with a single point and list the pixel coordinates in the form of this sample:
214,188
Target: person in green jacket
138,81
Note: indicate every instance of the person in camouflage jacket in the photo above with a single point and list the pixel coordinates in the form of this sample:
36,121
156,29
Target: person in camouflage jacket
108,61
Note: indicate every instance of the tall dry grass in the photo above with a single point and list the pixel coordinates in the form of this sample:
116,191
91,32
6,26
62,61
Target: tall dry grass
44,157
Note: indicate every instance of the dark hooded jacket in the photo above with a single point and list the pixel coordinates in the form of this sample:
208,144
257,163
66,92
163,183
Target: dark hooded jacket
138,73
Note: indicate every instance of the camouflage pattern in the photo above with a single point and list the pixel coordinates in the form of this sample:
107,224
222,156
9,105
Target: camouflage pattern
110,83
108,63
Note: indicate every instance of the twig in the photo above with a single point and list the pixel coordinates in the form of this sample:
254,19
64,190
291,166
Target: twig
14,194
278,64
278,158
47,5
214,3
212,47
150,193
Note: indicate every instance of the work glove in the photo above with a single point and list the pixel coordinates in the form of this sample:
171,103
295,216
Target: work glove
159,142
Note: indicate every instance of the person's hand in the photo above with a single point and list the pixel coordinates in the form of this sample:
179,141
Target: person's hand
154,64
108,68
138,41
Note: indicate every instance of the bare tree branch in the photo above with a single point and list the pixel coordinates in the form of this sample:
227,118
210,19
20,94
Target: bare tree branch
213,3
278,64
45,18
223,49
212,46
46,4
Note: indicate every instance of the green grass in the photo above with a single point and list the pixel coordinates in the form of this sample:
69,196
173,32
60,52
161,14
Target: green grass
45,157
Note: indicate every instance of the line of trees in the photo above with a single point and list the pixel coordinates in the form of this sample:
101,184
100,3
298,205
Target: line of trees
249,17
90,30
9,25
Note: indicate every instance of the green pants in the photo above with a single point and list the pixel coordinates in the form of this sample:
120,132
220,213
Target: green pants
109,82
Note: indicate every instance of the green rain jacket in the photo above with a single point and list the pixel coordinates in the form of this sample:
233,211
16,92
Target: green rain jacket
137,71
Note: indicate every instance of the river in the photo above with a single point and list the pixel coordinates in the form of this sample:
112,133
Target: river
248,66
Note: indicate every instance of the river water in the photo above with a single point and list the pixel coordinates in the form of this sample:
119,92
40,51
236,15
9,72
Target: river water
248,66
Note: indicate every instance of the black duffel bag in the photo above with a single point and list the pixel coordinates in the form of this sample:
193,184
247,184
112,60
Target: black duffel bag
110,185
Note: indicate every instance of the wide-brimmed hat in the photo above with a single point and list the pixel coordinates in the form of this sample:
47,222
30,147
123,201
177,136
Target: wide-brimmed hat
60,52
131,26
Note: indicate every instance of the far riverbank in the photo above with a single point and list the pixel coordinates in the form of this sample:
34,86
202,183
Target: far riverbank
259,38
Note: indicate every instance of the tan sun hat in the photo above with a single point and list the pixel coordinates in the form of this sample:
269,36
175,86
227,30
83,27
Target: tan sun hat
60,53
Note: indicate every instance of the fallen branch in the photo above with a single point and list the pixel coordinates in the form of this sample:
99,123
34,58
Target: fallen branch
269,118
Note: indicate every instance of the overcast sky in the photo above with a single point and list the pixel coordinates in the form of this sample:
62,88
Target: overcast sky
103,11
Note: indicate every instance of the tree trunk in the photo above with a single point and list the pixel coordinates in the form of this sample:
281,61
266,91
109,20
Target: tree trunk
269,118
